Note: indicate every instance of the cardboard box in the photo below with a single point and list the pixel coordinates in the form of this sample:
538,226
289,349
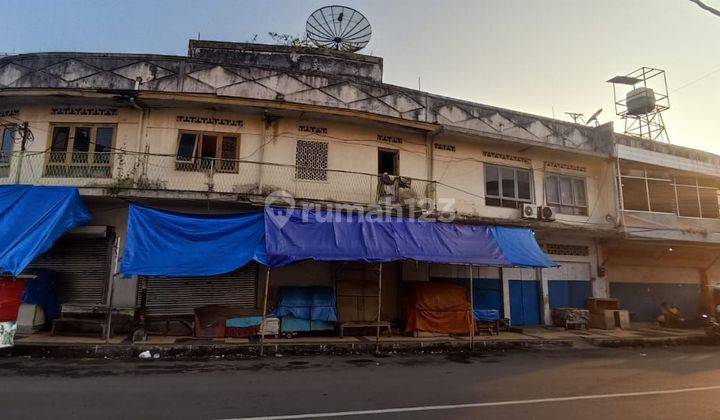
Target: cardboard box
610,319
598,305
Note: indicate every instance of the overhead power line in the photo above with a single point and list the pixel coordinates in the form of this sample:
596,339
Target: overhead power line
704,6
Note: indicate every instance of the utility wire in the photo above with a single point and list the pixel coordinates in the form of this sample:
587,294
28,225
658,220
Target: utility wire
703,77
705,7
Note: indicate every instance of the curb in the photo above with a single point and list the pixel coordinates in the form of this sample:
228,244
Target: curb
651,342
243,351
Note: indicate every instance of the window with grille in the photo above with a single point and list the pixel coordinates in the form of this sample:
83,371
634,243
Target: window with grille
311,160
507,187
198,151
80,151
566,194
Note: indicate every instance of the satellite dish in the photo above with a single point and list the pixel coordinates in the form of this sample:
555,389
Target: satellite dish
338,27
593,118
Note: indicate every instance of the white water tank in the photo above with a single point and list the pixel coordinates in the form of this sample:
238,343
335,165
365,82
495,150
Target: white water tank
640,101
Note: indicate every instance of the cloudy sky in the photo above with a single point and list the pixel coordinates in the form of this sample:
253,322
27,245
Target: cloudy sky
544,57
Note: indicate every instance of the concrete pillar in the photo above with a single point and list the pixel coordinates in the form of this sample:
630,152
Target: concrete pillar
545,295
600,286
505,292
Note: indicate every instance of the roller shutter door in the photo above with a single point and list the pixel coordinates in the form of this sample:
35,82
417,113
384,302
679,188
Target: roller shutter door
82,268
173,296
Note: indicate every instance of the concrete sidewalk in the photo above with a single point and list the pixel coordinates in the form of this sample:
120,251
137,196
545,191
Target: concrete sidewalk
46,345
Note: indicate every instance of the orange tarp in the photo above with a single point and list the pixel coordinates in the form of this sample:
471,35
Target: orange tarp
439,308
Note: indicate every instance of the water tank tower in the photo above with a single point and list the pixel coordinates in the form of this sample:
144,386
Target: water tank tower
640,98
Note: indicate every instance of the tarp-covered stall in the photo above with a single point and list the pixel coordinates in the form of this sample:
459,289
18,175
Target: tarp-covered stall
161,243
171,244
295,235
32,218
442,308
304,309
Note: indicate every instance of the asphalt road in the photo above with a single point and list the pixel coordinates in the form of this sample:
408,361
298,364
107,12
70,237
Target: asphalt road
674,383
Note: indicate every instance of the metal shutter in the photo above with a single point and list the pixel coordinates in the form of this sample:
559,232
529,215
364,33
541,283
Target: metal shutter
82,267
171,296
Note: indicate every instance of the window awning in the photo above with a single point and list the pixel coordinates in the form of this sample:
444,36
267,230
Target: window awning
161,243
296,235
32,218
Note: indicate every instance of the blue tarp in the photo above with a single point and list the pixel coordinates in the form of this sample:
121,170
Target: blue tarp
486,314
32,218
309,303
41,291
520,247
296,235
161,243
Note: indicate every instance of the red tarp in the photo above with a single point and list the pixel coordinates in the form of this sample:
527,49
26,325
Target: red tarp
439,308
11,292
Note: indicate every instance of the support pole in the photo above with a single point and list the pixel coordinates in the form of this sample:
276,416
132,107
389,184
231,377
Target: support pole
472,309
108,319
379,311
264,312
21,156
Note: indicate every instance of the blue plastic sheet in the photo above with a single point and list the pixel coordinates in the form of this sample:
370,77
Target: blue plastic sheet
309,303
161,243
486,315
41,291
294,235
32,218
520,247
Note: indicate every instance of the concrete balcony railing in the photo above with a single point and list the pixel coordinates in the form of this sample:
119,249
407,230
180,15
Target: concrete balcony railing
118,171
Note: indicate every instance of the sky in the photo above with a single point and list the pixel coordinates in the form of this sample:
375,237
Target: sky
544,57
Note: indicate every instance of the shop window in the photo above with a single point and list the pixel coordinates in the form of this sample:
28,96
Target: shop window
507,187
662,196
311,160
80,150
207,151
688,203
566,194
635,194
683,195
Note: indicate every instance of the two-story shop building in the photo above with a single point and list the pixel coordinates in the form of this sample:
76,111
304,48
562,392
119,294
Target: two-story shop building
220,130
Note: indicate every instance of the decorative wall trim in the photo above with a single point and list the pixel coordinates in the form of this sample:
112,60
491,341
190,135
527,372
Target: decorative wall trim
9,113
563,249
566,166
507,156
312,129
389,139
445,147
209,120
83,110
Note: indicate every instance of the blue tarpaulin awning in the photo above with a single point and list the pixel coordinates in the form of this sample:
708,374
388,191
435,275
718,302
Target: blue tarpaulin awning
293,235
161,243
32,218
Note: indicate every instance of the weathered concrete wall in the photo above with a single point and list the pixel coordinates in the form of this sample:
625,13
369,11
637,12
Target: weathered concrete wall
134,75
462,179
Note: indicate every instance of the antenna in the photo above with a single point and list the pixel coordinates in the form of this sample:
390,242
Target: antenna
338,27
575,116
642,97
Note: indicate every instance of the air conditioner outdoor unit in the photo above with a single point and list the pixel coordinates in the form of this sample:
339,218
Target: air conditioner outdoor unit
529,211
546,213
